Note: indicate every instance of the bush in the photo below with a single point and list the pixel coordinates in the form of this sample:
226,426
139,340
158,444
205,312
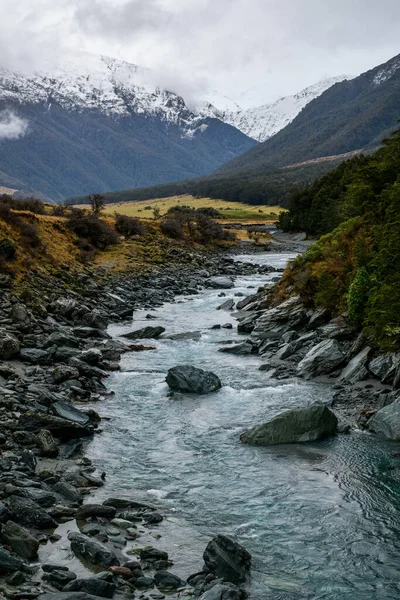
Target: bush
97,232
58,210
128,226
27,204
172,228
7,249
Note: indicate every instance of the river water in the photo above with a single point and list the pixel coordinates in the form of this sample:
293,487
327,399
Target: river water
321,520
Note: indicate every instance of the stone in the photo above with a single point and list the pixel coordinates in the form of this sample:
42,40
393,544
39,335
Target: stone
305,424
20,540
67,491
384,365
35,356
64,372
273,323
322,359
145,333
96,510
167,581
227,305
227,559
221,282
92,356
8,563
46,444
356,369
9,345
91,550
144,582
68,596
124,572
187,336
152,554
92,585
386,422
188,379
239,349
223,591
30,514
67,411
95,320
60,428
59,578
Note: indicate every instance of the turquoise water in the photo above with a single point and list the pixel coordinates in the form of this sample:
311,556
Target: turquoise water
321,520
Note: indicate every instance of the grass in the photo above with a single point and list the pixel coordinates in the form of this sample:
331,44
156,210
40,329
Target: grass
230,211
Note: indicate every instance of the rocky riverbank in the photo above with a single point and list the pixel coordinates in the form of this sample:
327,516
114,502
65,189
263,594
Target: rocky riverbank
55,356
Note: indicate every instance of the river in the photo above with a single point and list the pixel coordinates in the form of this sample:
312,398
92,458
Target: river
321,520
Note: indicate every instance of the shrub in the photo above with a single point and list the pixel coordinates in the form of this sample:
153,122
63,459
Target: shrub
97,232
128,226
27,204
172,228
7,249
358,296
58,210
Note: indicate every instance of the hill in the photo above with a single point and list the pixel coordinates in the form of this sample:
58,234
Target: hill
349,116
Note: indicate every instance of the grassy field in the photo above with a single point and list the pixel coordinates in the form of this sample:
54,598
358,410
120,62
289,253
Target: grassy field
230,211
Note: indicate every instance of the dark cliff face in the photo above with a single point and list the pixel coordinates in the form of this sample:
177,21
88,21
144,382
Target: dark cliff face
349,116
69,152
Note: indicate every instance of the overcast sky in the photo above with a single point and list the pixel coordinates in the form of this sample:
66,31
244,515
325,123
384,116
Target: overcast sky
252,50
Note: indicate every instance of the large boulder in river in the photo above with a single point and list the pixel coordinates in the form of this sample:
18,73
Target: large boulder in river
9,345
227,559
145,333
321,359
220,283
386,421
305,424
91,550
187,379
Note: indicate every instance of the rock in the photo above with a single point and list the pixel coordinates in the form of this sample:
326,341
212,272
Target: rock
222,591
305,424
356,369
92,550
92,356
29,459
152,554
95,320
69,412
227,305
288,349
224,283
386,421
384,366
9,345
275,322
92,585
68,596
96,510
318,318
35,356
239,349
227,559
60,428
64,372
321,359
189,335
46,444
144,582
167,581
145,333
19,540
59,577
188,379
27,512
8,563
67,491
124,572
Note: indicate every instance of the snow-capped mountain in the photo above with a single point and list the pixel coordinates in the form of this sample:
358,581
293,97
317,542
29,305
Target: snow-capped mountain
262,122
95,123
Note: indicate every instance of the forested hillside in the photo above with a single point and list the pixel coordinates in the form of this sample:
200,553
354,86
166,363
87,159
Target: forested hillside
355,267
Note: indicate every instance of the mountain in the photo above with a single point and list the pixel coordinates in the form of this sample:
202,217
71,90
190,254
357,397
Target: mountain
262,122
95,123
349,116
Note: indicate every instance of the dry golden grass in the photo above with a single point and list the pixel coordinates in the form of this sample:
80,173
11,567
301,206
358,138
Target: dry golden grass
231,211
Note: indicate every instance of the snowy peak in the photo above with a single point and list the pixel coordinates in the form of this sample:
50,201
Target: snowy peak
263,122
387,71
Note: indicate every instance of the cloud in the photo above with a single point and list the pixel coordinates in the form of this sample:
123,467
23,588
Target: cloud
12,127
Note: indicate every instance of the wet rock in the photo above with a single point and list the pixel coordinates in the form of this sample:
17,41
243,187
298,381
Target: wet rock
92,356
92,550
321,359
384,365
239,349
46,444
167,581
8,563
152,554
305,424
386,421
95,320
224,283
275,322
60,428
124,572
227,559
29,459
64,372
59,578
227,305
30,514
145,333
188,379
19,540
356,369
96,510
194,336
144,583
9,345
68,596
67,491
69,412
223,591
35,356
92,585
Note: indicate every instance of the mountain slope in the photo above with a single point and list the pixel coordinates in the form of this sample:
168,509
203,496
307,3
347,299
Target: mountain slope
98,124
262,122
349,116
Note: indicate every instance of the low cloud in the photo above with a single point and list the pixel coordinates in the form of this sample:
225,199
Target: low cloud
12,127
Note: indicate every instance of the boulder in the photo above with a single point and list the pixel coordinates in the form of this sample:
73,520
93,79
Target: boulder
64,372
59,577
30,514
188,379
227,305
384,366
35,356
275,322
46,444
220,283
95,320
386,421
96,510
321,359
145,333
9,345
194,336
167,581
305,424
8,563
227,559
224,591
60,428
239,349
356,370
93,585
67,411
19,540
68,596
92,550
